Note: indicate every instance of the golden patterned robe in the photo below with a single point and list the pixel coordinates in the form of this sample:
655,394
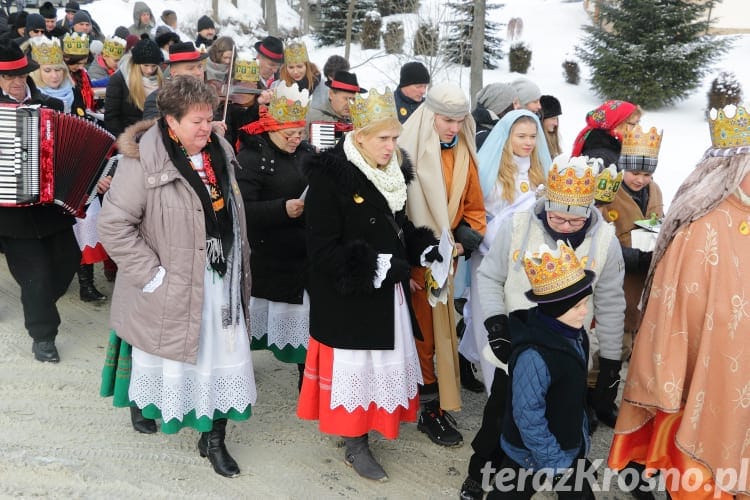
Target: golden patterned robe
686,401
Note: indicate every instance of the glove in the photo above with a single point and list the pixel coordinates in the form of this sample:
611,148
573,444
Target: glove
469,238
498,336
644,261
605,392
433,255
399,270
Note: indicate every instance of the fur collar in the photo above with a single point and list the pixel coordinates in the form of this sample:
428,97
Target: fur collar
127,142
334,164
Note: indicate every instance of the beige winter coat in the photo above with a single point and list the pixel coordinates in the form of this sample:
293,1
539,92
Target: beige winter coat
151,217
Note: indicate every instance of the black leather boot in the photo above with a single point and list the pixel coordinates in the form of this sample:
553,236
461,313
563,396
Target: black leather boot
141,423
590,412
211,445
88,292
605,391
301,368
468,380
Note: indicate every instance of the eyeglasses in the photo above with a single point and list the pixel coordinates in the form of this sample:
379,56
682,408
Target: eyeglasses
291,135
573,223
36,31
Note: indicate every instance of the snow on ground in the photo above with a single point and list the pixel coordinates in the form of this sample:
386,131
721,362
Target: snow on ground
552,28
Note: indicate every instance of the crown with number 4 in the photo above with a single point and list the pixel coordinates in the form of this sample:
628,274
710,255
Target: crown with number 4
288,103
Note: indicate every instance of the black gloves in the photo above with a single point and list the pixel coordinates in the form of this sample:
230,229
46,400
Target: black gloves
605,392
498,336
468,238
399,270
636,261
644,261
433,255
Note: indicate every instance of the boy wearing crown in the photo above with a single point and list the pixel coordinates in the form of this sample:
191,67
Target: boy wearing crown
637,199
686,404
566,212
105,64
544,428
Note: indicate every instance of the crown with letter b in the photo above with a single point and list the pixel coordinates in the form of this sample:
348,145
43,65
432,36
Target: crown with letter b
373,108
607,183
76,44
730,126
114,47
246,70
288,103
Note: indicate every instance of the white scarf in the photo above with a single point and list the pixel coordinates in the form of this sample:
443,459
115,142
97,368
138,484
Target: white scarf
389,181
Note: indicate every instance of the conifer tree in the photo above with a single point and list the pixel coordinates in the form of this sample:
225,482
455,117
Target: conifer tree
650,52
457,43
332,27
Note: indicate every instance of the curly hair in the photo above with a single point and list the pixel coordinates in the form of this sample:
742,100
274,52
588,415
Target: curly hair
508,170
181,93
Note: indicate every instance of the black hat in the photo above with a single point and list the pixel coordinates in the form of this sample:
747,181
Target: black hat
343,80
550,106
48,11
35,22
72,7
271,47
185,52
559,307
81,17
413,73
13,61
20,20
146,52
205,22
122,32
578,289
165,36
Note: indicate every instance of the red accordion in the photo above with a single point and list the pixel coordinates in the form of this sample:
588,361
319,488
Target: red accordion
47,157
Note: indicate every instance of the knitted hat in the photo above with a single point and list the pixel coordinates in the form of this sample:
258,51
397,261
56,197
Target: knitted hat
20,20
122,32
550,106
34,22
556,274
130,42
343,80
413,73
72,7
448,99
13,61
527,90
497,97
146,52
205,22
185,52
96,47
48,11
81,17
271,47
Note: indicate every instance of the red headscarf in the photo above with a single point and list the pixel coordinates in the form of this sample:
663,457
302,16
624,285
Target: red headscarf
267,123
606,117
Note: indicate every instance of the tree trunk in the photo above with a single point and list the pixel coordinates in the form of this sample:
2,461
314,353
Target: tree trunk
477,55
304,9
215,9
272,19
349,22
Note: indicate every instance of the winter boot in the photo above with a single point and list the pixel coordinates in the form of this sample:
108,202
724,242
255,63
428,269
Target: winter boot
140,423
211,445
359,457
468,380
88,292
301,368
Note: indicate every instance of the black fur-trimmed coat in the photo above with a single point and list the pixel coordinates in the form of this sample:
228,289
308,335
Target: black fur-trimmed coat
347,227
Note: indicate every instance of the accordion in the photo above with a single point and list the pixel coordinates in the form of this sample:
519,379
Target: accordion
47,157
323,135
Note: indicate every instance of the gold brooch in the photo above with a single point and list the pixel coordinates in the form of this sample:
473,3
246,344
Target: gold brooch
524,187
358,199
613,215
744,228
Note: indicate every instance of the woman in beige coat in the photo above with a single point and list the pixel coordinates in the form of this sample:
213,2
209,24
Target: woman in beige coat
174,222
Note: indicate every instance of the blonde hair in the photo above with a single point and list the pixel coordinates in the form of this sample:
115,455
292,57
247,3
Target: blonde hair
311,72
637,113
36,75
508,170
136,92
373,128
553,142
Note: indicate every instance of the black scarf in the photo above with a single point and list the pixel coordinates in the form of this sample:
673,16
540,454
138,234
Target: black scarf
218,222
573,239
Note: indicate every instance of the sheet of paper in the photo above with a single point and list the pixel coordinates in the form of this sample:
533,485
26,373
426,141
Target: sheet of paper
304,193
440,270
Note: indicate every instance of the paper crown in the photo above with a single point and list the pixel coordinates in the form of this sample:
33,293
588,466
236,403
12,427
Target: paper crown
373,108
288,103
638,142
76,44
607,183
46,51
246,70
730,126
572,184
295,52
114,47
552,270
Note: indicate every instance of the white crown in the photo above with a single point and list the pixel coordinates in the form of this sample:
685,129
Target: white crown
292,93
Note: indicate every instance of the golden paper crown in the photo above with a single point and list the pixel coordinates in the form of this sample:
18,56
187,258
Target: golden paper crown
76,44
607,183
373,108
730,126
638,142
114,47
572,184
246,70
288,103
552,270
295,52
46,51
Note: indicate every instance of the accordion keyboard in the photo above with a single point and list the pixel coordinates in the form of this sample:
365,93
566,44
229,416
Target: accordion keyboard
19,155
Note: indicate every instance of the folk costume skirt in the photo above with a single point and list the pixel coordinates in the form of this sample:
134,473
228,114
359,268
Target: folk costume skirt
352,392
220,385
282,328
